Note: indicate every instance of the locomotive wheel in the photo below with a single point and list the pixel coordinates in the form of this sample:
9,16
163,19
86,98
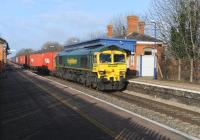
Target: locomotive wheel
100,86
88,82
122,86
94,83
85,82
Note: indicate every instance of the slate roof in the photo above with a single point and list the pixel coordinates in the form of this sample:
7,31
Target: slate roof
88,50
125,44
142,37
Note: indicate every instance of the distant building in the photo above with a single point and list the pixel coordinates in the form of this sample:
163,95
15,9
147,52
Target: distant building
3,53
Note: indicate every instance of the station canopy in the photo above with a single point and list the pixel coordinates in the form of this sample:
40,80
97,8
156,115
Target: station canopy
125,44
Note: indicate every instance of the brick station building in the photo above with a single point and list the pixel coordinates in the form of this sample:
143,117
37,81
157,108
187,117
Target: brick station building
3,53
149,51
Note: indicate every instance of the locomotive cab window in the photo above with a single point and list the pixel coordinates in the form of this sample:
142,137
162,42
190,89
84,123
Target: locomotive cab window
105,58
119,58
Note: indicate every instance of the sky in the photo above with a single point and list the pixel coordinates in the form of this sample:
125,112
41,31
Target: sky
31,23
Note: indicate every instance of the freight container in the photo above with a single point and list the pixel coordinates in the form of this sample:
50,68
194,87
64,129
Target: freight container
22,60
48,60
27,60
36,60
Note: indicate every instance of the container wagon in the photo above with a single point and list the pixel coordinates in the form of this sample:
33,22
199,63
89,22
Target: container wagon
48,60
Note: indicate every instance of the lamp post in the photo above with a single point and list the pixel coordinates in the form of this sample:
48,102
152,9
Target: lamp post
154,54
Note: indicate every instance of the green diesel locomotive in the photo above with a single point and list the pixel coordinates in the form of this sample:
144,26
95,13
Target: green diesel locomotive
103,68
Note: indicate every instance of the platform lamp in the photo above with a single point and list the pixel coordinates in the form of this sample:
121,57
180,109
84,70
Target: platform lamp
154,54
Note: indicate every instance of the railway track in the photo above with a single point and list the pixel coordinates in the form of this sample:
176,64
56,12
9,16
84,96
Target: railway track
184,115
169,110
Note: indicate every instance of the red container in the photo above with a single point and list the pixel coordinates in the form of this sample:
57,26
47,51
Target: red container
35,60
48,60
28,60
22,59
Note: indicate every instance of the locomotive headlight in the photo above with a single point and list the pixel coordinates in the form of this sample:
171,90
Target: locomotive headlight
122,72
102,72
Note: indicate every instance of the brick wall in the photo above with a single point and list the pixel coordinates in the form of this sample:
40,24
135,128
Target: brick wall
1,52
140,51
2,57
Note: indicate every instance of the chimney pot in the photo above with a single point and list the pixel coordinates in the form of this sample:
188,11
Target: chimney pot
110,31
132,24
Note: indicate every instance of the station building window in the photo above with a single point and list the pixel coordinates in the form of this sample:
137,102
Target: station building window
148,51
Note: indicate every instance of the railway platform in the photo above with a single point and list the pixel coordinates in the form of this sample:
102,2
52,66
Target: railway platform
184,93
34,108
172,84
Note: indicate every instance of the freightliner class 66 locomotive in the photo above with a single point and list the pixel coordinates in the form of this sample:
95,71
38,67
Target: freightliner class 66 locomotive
103,68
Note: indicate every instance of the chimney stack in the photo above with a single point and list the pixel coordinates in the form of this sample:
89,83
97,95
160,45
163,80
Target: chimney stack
132,24
110,31
141,27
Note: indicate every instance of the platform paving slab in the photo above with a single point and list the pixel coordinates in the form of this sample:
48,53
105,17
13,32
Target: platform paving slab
32,114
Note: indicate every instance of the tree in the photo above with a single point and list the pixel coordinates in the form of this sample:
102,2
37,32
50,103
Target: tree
177,49
192,34
179,25
51,46
120,27
24,51
72,40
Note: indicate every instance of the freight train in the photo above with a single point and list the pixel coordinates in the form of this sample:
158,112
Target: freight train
100,66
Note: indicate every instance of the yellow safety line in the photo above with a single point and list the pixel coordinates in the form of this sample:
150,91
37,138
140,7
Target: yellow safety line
77,110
